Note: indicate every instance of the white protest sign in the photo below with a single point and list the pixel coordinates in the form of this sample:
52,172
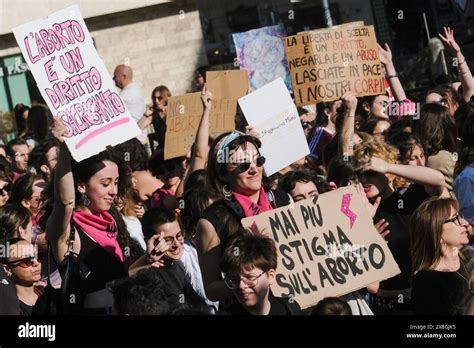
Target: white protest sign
75,83
271,111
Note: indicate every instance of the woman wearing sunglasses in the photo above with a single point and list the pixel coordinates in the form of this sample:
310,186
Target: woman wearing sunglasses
441,276
235,168
24,270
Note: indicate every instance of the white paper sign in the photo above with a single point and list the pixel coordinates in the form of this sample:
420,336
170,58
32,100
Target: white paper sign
272,112
75,83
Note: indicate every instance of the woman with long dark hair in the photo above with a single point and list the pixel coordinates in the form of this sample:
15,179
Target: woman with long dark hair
84,201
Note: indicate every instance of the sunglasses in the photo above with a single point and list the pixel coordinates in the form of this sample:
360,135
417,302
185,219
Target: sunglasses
155,98
24,262
244,166
5,189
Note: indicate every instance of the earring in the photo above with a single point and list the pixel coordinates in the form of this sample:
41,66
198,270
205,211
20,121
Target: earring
85,199
227,191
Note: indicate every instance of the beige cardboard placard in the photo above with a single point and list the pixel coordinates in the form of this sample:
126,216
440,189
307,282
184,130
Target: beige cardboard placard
326,247
184,115
325,64
227,84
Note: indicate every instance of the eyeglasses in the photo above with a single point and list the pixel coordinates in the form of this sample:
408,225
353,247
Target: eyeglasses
457,219
24,262
234,283
6,189
155,98
244,166
179,237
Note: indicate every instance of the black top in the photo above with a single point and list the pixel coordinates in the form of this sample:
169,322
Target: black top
278,306
397,210
104,267
177,288
160,130
9,304
440,293
222,213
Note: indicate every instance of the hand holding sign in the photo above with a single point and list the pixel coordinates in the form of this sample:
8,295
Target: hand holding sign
58,129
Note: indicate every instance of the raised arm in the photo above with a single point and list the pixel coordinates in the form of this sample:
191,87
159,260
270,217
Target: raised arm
199,157
465,75
346,144
209,254
432,179
57,227
147,118
392,76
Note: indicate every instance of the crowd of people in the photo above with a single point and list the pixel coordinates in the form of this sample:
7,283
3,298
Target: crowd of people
127,232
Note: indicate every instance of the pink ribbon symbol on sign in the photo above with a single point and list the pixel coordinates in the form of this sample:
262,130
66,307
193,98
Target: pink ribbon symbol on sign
346,202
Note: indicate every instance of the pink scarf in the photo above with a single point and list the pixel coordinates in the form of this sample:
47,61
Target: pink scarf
250,208
102,229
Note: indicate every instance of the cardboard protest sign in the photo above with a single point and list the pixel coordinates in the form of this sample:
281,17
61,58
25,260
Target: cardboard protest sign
327,246
185,112
261,53
184,115
227,84
75,82
270,110
325,64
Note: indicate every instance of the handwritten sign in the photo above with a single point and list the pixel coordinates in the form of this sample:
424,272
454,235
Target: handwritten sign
326,63
75,82
270,110
185,112
327,246
262,54
184,115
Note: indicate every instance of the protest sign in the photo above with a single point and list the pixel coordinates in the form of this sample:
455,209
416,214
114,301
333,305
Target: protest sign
327,246
185,112
270,110
184,115
261,53
75,82
227,84
325,64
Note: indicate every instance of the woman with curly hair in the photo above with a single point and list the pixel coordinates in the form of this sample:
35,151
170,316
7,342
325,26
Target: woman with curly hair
382,177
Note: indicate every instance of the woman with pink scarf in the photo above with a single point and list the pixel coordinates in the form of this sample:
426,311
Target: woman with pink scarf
84,193
235,168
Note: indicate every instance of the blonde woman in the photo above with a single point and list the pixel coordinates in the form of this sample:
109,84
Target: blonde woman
382,178
441,279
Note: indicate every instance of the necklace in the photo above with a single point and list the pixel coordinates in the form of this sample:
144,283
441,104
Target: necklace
463,277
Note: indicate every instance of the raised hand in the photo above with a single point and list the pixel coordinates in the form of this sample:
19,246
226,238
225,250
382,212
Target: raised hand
371,208
374,164
206,98
448,39
349,100
58,129
385,54
156,248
